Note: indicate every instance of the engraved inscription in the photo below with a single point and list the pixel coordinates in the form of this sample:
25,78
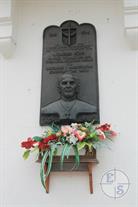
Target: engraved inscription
85,33
52,35
80,57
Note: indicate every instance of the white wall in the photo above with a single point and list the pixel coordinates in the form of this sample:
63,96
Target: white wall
20,81
5,6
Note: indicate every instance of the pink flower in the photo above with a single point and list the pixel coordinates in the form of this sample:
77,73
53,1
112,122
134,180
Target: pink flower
113,134
101,135
80,135
66,129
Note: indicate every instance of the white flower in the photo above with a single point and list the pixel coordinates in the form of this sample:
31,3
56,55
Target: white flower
72,139
74,125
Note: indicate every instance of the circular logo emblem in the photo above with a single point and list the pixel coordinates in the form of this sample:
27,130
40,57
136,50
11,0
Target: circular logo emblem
115,183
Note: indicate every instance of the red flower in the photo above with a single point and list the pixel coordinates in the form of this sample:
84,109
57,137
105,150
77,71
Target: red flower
104,127
28,144
49,138
44,142
42,146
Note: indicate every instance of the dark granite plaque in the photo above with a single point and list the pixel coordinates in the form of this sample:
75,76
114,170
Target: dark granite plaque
69,74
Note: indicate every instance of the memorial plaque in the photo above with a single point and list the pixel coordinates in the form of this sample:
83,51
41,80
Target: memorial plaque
69,90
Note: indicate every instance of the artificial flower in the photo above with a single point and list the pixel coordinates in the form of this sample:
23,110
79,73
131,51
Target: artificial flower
66,129
100,134
43,146
28,144
80,135
49,138
112,134
104,127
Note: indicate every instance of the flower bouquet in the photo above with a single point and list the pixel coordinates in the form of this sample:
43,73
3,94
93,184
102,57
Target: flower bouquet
76,136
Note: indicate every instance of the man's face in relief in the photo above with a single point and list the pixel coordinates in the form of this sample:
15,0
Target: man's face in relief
68,87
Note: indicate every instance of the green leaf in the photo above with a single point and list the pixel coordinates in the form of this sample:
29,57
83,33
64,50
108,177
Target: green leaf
26,154
77,157
93,134
68,151
56,151
42,168
50,160
55,127
62,139
81,145
90,146
58,143
64,151
37,139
